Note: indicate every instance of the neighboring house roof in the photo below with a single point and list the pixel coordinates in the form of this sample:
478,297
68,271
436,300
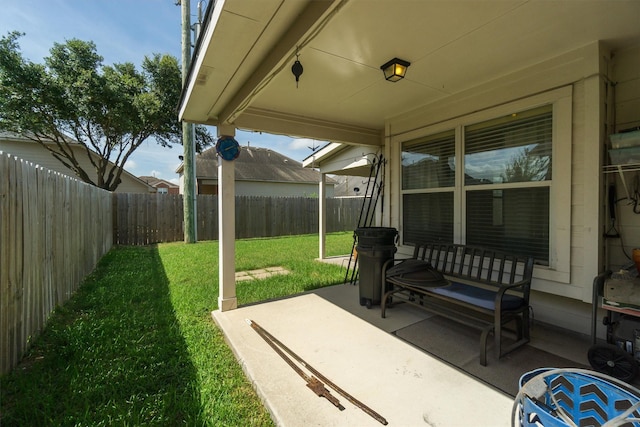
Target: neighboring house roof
158,182
31,151
257,164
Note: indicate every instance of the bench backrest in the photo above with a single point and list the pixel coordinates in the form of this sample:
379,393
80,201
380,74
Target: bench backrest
487,266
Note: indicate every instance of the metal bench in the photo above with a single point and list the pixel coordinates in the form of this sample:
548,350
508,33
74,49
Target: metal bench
482,288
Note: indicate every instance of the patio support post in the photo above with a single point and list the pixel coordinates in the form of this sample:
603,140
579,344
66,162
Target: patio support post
322,215
391,200
227,299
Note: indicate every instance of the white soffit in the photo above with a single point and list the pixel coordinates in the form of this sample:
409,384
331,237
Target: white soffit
453,46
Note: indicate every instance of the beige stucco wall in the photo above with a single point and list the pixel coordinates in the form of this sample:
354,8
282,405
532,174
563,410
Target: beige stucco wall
34,153
561,295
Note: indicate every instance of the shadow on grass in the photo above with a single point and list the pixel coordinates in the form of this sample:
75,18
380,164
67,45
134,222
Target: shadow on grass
113,355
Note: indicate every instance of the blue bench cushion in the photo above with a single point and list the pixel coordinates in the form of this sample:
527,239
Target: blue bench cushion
477,296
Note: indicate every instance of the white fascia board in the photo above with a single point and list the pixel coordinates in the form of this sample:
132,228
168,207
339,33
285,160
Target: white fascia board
199,56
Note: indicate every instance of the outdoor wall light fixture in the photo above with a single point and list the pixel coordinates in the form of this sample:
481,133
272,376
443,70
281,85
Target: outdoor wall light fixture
395,69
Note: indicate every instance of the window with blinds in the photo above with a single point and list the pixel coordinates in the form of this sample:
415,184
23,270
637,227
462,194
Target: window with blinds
428,180
515,148
504,197
427,217
507,164
514,220
429,162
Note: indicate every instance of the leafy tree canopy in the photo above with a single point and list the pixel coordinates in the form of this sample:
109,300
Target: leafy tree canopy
74,99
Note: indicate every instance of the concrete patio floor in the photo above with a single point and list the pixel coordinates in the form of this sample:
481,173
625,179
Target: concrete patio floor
353,347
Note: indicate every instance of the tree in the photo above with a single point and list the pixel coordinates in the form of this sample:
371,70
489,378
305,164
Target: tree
74,99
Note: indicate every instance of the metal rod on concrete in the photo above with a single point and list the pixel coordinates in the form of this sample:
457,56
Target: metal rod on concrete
275,343
312,382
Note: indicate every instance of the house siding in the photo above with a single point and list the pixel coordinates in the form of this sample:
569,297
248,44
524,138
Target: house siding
267,188
38,155
584,71
279,189
355,160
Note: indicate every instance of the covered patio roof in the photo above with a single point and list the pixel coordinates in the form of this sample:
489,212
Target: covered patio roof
241,72
466,56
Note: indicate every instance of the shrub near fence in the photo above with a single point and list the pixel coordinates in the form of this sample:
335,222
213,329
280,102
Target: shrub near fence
53,231
141,219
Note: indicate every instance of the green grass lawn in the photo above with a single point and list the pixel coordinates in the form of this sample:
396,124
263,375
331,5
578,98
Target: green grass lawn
137,345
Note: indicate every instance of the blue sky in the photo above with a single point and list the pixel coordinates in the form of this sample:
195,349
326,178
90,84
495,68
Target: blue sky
123,31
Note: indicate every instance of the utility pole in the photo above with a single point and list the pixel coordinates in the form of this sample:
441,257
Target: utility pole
188,139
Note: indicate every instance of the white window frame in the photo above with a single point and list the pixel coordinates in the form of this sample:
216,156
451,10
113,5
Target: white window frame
558,269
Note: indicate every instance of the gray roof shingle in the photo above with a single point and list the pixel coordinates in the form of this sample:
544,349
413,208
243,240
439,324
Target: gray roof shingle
257,164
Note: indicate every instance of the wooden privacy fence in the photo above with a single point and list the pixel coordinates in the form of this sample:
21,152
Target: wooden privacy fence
141,219
53,231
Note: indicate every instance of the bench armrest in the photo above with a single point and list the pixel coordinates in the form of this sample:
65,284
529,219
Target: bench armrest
523,285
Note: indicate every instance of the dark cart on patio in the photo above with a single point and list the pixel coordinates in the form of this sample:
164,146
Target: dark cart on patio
619,356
